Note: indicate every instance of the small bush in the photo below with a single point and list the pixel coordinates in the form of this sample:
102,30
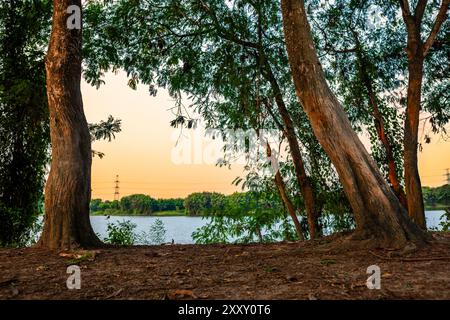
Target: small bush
121,233
445,221
156,234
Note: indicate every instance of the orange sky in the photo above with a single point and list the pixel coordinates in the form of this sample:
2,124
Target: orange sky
143,153
147,160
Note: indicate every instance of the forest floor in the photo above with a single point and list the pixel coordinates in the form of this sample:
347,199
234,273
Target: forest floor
311,270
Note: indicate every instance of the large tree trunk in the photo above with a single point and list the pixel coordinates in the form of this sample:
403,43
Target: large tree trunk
303,180
68,189
279,182
379,215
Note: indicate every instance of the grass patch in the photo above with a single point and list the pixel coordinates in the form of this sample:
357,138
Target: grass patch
172,213
77,258
327,262
270,269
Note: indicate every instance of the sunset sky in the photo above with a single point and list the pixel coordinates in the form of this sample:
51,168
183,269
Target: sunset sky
148,159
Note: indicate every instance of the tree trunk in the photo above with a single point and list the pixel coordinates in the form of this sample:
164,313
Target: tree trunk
413,185
379,215
379,126
259,234
303,180
68,188
392,170
412,179
416,50
279,182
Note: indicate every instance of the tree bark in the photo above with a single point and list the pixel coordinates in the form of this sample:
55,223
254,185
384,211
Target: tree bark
68,188
413,185
379,215
379,126
279,182
416,50
303,180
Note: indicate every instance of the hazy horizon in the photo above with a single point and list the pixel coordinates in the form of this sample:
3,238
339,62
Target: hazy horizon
142,154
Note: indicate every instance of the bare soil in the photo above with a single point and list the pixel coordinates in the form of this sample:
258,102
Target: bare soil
319,269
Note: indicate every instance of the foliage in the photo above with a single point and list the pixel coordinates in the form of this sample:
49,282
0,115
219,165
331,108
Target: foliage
259,216
24,127
364,60
136,204
362,47
105,130
24,121
158,232
171,204
336,213
221,57
202,203
437,197
156,235
445,221
247,217
121,233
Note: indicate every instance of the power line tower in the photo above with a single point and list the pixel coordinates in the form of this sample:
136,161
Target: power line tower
116,189
447,174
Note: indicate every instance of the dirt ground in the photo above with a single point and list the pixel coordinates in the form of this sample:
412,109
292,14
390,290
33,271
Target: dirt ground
309,270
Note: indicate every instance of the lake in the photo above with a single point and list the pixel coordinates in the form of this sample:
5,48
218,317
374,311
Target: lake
180,228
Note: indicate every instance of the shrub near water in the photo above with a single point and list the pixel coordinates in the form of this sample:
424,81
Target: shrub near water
445,221
244,218
122,233
156,235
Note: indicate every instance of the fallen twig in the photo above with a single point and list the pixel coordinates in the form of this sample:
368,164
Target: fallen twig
114,294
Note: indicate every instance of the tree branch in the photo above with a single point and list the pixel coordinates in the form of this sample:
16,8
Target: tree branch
346,50
406,13
223,33
440,18
404,4
420,9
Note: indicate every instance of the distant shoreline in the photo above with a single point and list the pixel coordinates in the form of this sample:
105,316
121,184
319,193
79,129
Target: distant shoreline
182,213
437,207
170,213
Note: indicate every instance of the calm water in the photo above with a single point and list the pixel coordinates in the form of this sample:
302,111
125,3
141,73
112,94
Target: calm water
177,228
180,228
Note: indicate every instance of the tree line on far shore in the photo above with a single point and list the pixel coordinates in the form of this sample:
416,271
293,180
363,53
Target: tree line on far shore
208,203
135,204
437,198
195,204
